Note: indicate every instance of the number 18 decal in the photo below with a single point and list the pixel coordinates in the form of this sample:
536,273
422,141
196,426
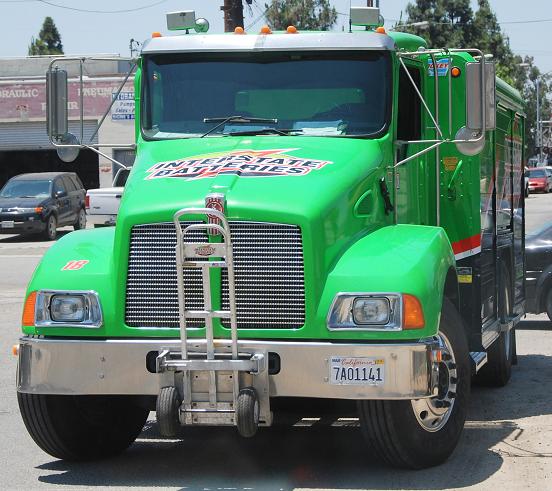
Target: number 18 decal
75,265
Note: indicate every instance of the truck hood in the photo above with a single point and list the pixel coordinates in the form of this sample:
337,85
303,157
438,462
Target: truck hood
283,179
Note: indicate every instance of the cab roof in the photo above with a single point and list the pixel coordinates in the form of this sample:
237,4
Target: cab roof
302,41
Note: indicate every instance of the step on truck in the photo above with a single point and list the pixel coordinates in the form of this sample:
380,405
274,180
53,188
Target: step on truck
310,215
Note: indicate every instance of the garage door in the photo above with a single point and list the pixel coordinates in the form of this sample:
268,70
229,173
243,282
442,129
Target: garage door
31,135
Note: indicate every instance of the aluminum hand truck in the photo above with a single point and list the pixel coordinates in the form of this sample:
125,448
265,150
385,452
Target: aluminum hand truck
209,381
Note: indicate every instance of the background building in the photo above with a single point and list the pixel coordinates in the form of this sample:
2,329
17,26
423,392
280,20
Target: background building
24,145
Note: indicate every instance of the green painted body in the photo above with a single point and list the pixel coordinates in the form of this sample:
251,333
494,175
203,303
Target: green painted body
350,244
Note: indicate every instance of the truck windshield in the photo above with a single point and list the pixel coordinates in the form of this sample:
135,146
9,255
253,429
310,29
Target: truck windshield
314,93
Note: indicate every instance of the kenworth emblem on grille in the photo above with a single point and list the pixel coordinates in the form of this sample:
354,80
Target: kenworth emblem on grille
205,250
216,201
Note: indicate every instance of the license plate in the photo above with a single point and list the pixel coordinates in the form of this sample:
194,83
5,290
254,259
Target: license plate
7,224
357,371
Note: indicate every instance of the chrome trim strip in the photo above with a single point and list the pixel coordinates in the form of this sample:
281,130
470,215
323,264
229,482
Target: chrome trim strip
118,366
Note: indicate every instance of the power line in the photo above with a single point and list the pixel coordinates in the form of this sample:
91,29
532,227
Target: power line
88,11
525,21
256,20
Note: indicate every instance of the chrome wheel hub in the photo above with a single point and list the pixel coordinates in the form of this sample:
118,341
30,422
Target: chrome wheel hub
432,414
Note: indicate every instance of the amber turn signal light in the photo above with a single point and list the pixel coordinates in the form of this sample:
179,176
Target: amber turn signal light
413,314
28,318
239,30
380,30
15,350
291,30
156,34
455,72
266,30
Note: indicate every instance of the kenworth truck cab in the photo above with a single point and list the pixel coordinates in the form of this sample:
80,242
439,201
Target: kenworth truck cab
319,215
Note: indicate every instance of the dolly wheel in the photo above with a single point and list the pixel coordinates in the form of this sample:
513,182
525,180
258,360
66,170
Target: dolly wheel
247,412
168,405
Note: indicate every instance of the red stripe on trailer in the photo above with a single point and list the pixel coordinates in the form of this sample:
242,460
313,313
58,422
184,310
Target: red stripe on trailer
464,245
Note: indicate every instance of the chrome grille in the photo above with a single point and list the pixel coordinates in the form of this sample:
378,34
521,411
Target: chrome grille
268,265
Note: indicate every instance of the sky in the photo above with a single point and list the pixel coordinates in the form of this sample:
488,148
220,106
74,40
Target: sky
88,32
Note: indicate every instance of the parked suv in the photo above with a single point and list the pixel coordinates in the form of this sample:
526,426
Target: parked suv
42,202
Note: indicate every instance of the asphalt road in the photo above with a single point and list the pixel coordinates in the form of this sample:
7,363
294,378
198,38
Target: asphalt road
507,443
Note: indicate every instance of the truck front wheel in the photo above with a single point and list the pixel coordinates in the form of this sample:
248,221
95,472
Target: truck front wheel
423,433
80,428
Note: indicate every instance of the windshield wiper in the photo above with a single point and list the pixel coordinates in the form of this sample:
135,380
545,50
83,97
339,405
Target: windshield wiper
265,131
235,119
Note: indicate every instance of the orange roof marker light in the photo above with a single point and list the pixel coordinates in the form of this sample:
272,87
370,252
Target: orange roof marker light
266,30
239,30
291,30
156,34
380,30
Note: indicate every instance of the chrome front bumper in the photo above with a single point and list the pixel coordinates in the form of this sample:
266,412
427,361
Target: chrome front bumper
79,367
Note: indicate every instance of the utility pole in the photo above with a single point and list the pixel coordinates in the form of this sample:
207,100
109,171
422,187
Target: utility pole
538,136
233,14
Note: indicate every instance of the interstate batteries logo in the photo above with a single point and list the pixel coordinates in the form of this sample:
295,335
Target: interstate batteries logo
244,163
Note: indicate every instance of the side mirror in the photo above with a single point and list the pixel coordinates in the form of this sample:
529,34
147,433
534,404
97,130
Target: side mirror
480,108
61,194
56,103
478,97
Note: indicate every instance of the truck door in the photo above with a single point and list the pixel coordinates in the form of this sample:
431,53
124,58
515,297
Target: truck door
411,177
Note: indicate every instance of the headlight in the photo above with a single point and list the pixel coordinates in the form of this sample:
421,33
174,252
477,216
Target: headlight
371,310
366,311
68,308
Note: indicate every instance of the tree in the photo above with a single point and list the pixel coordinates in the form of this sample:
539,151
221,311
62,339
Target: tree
449,21
529,94
316,15
48,42
453,23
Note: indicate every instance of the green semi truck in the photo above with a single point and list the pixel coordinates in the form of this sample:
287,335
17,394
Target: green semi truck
310,215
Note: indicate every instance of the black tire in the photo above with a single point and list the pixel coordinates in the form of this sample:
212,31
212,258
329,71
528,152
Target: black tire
167,409
247,412
80,428
50,233
548,304
392,428
498,369
80,224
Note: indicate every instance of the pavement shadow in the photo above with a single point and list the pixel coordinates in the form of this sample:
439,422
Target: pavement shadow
319,455
535,325
30,238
